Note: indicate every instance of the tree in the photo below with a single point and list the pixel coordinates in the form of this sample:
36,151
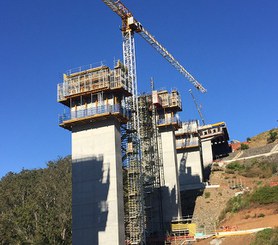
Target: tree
36,205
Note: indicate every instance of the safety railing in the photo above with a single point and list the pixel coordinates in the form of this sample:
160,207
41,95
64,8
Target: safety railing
211,132
188,128
93,81
104,109
187,143
169,121
84,68
65,89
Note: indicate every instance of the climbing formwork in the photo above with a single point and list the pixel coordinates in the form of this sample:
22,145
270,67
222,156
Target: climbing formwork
187,136
91,94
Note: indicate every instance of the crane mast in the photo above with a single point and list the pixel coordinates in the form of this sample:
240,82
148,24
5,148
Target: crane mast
135,216
130,26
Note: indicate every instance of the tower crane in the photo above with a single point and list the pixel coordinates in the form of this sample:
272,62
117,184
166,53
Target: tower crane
197,107
129,26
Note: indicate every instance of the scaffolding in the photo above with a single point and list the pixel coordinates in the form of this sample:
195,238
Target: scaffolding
167,105
153,221
90,94
133,185
134,202
94,80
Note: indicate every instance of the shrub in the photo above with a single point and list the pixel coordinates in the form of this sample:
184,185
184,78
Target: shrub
266,237
244,146
262,169
235,166
207,194
253,172
261,215
265,195
259,182
234,205
272,136
237,203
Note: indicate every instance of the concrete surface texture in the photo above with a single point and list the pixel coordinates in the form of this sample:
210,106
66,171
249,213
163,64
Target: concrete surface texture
189,167
170,191
97,196
207,152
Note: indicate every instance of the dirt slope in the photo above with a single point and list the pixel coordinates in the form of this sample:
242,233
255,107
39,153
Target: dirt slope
261,139
209,207
244,220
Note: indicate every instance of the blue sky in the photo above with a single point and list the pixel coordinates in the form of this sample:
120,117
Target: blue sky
231,47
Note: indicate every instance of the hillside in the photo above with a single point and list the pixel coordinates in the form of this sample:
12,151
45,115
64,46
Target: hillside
35,205
238,177
262,139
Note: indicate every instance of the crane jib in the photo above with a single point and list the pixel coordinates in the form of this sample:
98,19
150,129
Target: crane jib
131,24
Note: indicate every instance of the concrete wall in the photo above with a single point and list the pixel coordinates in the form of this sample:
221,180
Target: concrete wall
190,167
170,191
207,152
97,196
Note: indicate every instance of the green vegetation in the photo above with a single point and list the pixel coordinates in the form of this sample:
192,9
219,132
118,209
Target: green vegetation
273,135
235,166
207,194
35,206
263,195
266,237
253,168
244,146
259,182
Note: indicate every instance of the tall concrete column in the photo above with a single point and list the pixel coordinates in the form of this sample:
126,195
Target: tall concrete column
170,191
207,152
97,195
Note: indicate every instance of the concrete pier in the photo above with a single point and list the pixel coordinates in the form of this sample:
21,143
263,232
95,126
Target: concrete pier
189,155
170,190
97,198
95,100
207,152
